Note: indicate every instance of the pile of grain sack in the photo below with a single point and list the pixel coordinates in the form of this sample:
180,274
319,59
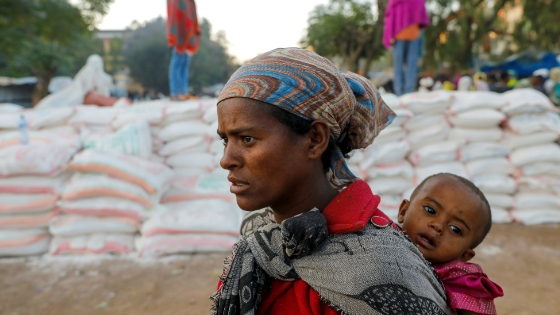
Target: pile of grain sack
504,143
95,180
146,178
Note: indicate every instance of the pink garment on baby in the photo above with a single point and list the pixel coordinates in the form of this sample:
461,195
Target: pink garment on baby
468,288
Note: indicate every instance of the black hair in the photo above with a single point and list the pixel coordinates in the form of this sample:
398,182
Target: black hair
472,187
301,126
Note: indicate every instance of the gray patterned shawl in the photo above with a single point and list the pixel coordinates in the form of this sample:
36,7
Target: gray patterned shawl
371,271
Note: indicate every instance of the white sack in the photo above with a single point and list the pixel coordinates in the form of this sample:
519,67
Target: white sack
536,122
68,225
422,103
385,153
23,242
482,150
425,121
33,184
400,169
498,165
389,185
34,159
538,169
537,216
104,206
466,101
201,160
92,244
186,144
455,168
501,215
132,139
526,100
179,130
500,200
429,135
476,135
203,186
439,152
162,245
514,141
477,118
536,154
495,183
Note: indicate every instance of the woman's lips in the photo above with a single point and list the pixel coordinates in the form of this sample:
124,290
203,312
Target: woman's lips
237,186
425,241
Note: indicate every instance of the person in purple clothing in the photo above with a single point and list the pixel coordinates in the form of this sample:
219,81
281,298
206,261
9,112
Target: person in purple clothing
404,20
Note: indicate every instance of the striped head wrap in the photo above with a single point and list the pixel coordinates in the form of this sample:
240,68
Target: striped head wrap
311,87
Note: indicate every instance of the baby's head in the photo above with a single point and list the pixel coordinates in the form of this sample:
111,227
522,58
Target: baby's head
447,217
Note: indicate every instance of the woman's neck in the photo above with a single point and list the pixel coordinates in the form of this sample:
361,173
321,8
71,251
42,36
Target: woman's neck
318,194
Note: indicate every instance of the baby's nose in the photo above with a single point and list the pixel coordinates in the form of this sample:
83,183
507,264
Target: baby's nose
436,226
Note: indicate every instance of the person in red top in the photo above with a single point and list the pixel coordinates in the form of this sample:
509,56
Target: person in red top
448,217
183,37
314,241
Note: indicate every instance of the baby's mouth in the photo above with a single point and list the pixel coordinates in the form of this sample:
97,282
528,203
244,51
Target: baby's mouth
425,240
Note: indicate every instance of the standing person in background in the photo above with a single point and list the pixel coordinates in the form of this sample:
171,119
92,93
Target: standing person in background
183,36
403,21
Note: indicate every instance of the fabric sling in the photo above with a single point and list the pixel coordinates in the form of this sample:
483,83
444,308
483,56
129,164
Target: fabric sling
371,271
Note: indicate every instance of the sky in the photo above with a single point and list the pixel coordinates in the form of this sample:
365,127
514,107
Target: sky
251,26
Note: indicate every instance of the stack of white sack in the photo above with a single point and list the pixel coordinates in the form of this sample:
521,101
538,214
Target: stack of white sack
31,177
198,214
184,139
111,194
32,172
533,127
476,118
383,164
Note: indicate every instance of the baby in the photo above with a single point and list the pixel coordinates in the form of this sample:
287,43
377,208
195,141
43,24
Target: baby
448,217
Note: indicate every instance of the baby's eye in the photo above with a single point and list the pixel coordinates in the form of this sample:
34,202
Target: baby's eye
430,210
248,140
456,230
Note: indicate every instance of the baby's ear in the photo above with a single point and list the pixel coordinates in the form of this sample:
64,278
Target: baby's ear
467,255
402,210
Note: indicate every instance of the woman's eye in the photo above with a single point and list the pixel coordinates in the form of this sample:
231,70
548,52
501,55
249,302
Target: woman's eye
456,230
248,140
430,210
224,141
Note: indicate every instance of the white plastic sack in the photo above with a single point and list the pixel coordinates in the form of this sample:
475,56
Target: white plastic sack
163,244
425,121
500,166
197,216
34,159
399,169
455,168
503,201
389,185
23,242
104,206
392,101
536,154
180,129
152,177
70,139
429,135
495,184
539,169
26,203
203,186
466,101
476,135
92,244
185,144
93,115
537,216
422,103
85,185
534,200
199,160
152,112
514,141
49,117
501,215
445,151
10,108
536,122
385,154
478,118
26,220
538,184
402,116
68,225
526,100
482,150
132,139
33,184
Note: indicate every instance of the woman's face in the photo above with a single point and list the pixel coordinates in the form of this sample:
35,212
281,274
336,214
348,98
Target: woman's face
267,162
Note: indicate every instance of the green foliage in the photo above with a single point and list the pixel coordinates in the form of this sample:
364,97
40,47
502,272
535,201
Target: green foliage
46,37
349,29
147,55
539,27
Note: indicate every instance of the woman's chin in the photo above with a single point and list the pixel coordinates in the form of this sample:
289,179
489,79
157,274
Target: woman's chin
247,204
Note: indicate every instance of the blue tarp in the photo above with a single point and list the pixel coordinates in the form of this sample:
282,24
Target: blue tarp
524,64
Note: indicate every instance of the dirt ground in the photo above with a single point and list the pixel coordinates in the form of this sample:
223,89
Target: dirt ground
524,260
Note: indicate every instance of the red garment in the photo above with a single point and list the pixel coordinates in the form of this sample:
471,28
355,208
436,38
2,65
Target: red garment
468,288
350,211
183,30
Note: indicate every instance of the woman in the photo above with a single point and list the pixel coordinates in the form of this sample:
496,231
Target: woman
183,33
288,118
404,20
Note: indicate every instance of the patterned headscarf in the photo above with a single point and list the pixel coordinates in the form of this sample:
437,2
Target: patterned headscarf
311,87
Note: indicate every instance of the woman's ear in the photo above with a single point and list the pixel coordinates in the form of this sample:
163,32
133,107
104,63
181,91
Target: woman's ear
402,210
319,134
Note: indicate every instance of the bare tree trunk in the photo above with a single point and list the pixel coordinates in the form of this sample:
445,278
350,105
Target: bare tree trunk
41,88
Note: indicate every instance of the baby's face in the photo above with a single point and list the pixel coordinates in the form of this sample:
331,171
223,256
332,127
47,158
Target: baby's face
444,219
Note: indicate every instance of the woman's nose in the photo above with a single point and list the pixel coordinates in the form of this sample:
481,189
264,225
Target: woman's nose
230,159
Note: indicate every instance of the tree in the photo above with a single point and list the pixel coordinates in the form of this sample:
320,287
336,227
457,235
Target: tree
349,29
147,55
539,27
46,37
460,28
